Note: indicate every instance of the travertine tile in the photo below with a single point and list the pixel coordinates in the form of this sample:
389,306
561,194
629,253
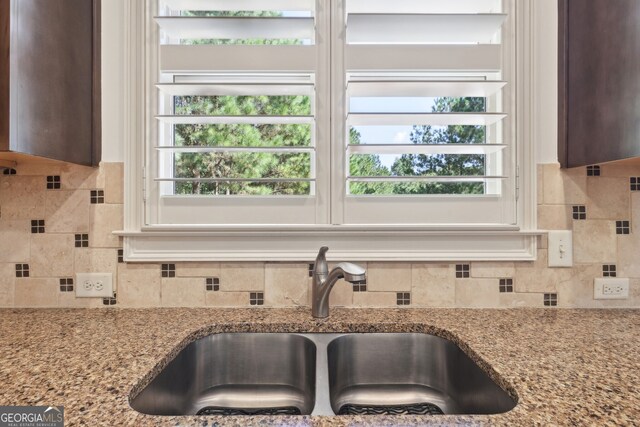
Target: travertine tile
535,277
52,255
242,277
22,197
375,299
477,293
227,299
198,269
89,260
540,183
608,198
67,211
492,269
75,176
628,262
567,186
578,291
543,241
32,292
7,280
104,220
555,217
287,285
386,277
114,182
594,241
635,213
139,285
514,299
617,169
68,299
433,285
183,292
341,295
40,167
17,233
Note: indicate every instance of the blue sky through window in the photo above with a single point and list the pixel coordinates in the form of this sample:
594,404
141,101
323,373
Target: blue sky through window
388,134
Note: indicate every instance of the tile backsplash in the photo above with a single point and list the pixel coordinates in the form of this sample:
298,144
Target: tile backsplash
57,219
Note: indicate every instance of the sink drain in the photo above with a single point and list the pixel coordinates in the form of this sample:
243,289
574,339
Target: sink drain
417,409
212,410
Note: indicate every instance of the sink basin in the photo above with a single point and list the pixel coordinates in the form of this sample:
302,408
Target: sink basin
321,374
408,374
235,374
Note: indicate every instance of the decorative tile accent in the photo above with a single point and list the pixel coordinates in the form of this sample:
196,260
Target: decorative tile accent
168,270
37,226
256,298
82,240
53,182
635,183
66,284
623,227
110,301
403,298
22,270
593,170
550,300
120,256
463,271
506,285
212,284
311,267
360,286
97,197
579,212
9,172
609,270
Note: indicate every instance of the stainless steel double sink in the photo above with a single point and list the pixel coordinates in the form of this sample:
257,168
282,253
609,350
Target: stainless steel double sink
322,374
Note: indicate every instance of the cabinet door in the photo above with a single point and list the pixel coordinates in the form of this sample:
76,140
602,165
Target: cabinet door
54,82
599,81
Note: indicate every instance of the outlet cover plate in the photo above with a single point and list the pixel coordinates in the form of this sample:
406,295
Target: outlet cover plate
611,288
94,285
560,248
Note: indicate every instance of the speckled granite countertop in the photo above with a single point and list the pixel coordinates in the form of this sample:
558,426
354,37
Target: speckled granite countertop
567,367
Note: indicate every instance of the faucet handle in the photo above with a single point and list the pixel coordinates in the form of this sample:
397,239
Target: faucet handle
320,267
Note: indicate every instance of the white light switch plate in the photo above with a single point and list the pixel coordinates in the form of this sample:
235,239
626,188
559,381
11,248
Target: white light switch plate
560,248
94,285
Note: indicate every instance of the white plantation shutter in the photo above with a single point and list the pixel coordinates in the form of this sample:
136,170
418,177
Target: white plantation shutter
213,53
373,67
397,58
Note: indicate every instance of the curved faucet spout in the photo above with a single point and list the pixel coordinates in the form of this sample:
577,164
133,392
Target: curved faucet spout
323,281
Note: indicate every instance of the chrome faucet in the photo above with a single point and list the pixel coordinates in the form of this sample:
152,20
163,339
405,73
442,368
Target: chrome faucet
323,281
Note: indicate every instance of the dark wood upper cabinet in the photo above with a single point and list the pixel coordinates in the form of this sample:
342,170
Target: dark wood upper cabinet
599,81
50,79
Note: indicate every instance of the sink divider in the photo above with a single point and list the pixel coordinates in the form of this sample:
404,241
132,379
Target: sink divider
323,401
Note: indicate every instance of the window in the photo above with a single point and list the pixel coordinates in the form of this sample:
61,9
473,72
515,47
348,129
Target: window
335,121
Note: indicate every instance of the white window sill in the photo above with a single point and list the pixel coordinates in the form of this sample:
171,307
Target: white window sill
347,243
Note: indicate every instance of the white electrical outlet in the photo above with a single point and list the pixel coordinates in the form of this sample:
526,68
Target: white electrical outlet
560,248
94,285
611,288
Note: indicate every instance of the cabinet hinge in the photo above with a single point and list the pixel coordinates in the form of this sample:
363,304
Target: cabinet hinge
144,184
517,183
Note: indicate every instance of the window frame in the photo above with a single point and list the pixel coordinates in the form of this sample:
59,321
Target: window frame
374,242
